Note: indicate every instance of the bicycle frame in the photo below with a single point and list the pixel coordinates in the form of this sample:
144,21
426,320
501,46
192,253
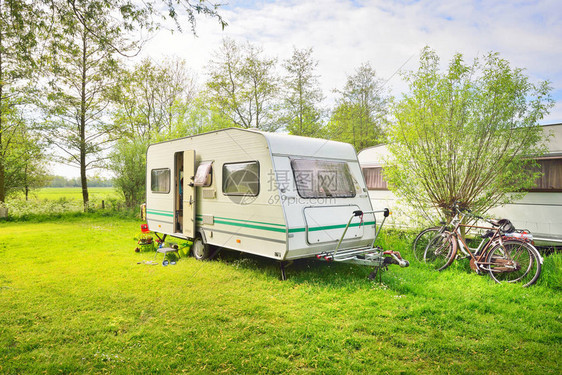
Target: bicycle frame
480,253
456,223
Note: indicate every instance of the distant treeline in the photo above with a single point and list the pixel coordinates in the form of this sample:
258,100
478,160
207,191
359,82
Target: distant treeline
60,181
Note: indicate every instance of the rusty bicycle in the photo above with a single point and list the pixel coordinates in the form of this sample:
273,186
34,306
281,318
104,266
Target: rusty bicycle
504,253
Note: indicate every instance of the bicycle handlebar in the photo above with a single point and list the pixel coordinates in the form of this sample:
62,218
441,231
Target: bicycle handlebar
468,212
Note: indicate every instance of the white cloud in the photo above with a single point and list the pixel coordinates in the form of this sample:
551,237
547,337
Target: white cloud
344,34
386,34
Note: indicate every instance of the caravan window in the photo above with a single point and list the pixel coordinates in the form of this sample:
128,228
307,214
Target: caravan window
322,178
203,176
551,178
241,178
374,178
160,180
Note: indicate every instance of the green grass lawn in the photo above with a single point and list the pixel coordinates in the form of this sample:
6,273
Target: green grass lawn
73,299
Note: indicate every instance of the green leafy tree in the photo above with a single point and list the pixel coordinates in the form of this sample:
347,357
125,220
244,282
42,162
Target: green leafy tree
243,86
20,26
25,25
131,14
128,162
152,98
361,113
152,103
83,67
32,163
24,155
466,134
302,95
199,118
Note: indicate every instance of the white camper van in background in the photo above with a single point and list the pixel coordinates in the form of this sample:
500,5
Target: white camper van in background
540,211
279,196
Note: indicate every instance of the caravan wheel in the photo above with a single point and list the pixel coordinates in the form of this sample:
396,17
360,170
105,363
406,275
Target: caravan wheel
200,250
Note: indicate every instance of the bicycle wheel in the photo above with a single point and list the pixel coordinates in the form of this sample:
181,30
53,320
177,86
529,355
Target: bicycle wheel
440,252
423,239
513,262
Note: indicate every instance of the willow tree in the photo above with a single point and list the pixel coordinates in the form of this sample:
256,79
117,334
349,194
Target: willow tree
466,134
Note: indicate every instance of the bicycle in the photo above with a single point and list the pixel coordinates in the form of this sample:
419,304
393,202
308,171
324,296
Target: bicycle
503,252
430,234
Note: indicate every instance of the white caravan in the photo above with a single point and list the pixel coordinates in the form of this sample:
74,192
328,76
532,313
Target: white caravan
279,196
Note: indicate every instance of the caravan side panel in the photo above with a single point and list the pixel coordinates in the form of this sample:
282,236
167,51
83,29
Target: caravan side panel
251,223
160,189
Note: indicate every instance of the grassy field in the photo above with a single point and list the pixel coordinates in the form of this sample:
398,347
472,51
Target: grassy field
75,193
50,201
73,299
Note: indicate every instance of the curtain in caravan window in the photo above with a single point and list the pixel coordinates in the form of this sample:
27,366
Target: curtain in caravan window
203,175
374,178
551,179
322,178
160,180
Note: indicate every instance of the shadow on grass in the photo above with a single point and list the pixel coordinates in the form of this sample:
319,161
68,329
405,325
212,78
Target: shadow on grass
303,271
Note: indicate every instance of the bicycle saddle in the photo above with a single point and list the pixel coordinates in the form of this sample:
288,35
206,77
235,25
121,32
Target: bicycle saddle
504,224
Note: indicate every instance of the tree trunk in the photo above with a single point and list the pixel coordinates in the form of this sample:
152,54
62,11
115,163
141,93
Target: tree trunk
2,168
2,179
82,125
26,183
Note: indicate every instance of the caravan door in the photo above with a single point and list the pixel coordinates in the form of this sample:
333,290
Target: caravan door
189,198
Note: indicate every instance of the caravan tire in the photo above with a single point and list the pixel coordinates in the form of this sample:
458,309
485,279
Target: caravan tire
200,250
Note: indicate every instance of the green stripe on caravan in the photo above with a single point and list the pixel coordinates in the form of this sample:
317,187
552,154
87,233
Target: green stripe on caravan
281,228
253,226
161,213
338,226
250,221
